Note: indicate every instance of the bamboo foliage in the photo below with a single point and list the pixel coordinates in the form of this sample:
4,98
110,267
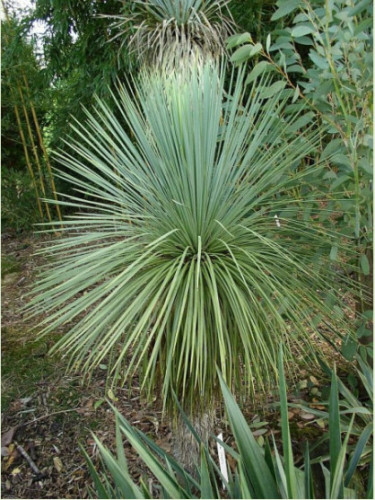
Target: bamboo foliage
43,148
41,184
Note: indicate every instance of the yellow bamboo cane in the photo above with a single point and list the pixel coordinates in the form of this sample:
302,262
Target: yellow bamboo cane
36,156
41,142
27,158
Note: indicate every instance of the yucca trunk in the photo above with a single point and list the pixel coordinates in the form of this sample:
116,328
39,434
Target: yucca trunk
186,448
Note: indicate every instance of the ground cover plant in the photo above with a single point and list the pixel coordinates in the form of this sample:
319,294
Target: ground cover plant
46,411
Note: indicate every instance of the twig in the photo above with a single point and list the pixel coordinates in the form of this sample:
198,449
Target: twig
28,458
46,416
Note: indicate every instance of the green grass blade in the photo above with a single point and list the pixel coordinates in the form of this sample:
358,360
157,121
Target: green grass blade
361,443
334,428
309,483
291,479
370,484
366,375
167,481
123,482
337,473
100,489
207,490
256,472
327,480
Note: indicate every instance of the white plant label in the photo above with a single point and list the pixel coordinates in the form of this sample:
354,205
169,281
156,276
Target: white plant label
222,460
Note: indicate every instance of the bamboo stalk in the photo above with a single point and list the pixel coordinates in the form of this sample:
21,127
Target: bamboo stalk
33,146
45,154
27,158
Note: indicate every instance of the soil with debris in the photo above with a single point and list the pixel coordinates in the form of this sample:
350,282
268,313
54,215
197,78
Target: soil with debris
48,415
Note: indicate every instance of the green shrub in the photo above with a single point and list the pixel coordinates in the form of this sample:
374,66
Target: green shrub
324,52
19,209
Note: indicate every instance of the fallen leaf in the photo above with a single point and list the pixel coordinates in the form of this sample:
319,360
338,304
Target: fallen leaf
307,416
259,432
58,464
302,384
314,380
16,471
12,455
98,403
260,440
321,423
111,395
7,437
9,462
319,407
290,415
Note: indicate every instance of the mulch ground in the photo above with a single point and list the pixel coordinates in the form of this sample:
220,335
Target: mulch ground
48,414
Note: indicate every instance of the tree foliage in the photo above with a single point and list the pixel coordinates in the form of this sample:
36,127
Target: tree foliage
80,61
18,61
323,50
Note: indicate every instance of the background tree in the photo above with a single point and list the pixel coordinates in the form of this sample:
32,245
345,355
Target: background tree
78,57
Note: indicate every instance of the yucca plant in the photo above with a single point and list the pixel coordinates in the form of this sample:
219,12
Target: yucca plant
169,31
175,263
259,472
